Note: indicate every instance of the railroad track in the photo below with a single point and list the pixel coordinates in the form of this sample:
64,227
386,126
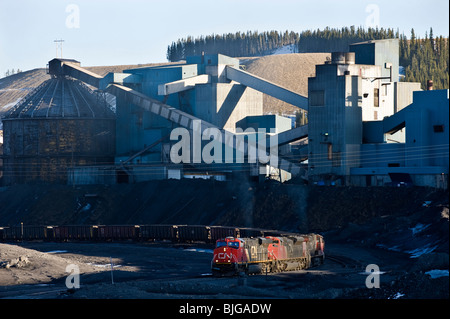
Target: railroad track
345,262
37,291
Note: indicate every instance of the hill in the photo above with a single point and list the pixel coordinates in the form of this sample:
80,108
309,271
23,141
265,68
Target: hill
14,87
289,70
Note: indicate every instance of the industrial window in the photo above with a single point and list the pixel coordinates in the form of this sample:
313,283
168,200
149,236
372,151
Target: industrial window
317,98
438,128
376,97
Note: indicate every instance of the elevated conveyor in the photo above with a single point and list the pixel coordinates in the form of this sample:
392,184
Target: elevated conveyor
267,87
81,74
188,121
292,135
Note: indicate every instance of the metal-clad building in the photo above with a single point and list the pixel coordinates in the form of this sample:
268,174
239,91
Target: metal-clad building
271,123
379,52
62,123
351,89
366,128
209,92
425,153
199,88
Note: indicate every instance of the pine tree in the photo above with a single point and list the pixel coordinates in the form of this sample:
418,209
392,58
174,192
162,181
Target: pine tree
423,59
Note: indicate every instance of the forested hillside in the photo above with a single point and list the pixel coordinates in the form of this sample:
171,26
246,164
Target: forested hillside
237,44
423,59
335,40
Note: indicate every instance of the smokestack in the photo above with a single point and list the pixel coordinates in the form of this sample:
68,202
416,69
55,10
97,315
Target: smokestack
429,85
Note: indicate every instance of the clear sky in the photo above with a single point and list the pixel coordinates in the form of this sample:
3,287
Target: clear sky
112,32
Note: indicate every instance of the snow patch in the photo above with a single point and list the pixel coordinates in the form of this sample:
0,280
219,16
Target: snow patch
200,250
397,295
103,265
286,49
436,273
367,273
86,208
418,228
415,253
56,252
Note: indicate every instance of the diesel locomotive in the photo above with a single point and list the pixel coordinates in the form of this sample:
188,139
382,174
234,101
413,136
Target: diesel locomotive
267,254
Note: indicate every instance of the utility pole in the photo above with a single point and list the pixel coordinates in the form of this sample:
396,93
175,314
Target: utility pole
59,43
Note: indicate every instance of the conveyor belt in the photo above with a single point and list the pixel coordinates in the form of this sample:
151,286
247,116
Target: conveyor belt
177,116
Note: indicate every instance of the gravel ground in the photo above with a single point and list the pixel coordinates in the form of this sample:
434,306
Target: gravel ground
166,271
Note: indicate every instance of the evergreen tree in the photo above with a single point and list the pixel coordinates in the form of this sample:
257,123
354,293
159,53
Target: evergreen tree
423,59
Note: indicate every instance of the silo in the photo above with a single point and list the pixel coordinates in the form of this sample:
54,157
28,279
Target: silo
61,124
338,57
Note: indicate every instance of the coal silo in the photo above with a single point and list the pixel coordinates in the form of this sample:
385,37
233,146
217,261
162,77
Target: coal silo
61,124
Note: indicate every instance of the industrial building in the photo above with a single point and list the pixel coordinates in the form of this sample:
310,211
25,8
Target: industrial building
364,126
209,90
423,159
60,124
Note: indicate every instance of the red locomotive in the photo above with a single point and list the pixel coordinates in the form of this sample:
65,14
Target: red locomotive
267,254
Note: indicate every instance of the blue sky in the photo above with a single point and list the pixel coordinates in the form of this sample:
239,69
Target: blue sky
112,32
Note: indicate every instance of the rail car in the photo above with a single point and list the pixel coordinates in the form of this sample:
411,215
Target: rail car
118,232
158,232
193,233
35,232
267,254
73,232
218,232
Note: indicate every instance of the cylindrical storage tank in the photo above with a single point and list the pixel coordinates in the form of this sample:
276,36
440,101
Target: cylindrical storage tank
61,124
338,57
349,57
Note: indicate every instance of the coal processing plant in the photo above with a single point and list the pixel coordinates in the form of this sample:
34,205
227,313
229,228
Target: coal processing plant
365,127
61,124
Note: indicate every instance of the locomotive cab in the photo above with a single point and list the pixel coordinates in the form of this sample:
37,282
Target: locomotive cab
228,253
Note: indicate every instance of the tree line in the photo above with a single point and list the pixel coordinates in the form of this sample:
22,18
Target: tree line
338,40
8,72
423,59
254,43
239,44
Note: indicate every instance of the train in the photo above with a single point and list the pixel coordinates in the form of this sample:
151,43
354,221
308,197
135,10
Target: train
233,255
236,250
